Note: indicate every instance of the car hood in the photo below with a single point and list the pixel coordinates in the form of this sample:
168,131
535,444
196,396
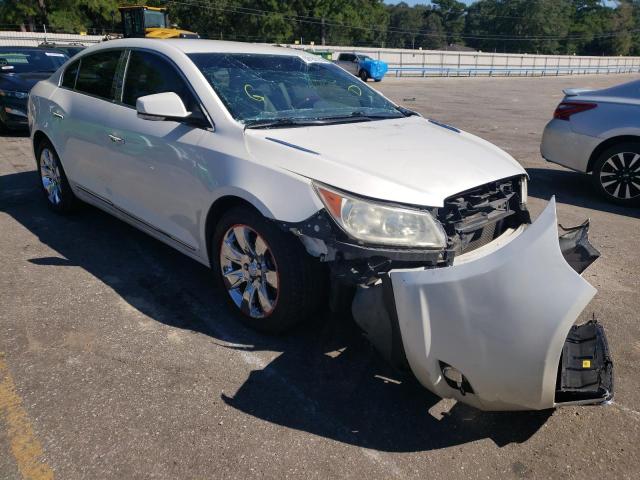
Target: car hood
407,160
22,82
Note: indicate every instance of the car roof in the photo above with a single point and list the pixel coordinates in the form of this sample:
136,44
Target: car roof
207,46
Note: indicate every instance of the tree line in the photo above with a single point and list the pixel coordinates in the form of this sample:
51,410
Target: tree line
583,27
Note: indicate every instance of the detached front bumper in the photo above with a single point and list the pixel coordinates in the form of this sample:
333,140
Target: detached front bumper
498,324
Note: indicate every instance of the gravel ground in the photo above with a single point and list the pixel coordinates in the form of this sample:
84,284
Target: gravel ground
118,359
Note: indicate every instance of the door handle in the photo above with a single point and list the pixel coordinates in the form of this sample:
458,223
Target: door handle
57,115
115,139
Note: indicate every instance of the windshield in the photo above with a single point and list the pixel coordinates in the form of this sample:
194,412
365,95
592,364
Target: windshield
154,19
364,57
258,88
23,61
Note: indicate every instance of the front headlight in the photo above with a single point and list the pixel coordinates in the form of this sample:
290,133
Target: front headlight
13,94
381,224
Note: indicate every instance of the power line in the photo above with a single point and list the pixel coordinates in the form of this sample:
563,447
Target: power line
319,21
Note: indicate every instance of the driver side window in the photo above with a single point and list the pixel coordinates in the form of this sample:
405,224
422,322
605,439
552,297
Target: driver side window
148,73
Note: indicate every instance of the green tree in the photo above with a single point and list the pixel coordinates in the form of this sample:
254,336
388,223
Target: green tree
65,15
434,34
533,26
590,22
622,23
405,23
452,15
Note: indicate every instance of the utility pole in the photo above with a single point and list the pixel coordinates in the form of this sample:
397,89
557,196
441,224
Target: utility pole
324,32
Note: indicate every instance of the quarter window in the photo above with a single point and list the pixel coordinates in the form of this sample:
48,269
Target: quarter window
70,74
97,72
148,74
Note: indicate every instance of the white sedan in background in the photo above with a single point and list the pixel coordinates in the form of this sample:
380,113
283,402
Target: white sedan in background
598,132
296,183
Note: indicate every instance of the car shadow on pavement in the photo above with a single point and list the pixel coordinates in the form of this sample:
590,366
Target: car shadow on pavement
327,381
572,188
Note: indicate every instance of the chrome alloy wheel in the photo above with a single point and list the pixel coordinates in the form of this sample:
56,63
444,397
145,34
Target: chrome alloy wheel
50,176
620,175
249,271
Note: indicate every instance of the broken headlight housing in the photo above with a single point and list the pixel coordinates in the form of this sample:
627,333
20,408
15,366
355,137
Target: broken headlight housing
382,224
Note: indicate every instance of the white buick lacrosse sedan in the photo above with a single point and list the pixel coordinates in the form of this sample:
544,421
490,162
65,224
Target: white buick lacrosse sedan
303,188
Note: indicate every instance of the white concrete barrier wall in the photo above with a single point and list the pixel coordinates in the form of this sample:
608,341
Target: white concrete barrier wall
403,62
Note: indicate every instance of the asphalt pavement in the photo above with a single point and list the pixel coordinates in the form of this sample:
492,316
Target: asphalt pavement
119,359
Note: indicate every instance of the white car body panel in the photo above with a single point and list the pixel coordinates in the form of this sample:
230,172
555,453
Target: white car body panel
406,160
507,341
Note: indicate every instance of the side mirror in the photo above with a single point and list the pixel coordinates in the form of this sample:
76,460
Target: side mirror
162,106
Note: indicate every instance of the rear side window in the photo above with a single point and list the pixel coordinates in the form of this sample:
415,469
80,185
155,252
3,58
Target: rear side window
148,73
70,74
97,72
347,57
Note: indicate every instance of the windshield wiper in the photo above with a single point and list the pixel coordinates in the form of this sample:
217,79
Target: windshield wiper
278,122
406,112
300,122
359,116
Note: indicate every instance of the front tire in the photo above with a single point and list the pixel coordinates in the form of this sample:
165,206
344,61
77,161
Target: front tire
616,174
53,180
364,76
270,281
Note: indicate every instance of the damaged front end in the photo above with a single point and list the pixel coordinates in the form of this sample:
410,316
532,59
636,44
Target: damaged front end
488,320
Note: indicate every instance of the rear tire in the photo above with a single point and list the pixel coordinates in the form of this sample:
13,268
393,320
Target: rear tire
270,281
616,174
364,76
53,180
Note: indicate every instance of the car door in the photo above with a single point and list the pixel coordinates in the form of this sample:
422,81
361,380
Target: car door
348,62
80,114
159,178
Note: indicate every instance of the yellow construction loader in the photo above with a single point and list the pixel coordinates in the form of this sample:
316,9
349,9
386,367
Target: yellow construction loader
150,22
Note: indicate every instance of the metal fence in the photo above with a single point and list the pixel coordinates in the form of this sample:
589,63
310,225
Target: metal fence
423,63
33,39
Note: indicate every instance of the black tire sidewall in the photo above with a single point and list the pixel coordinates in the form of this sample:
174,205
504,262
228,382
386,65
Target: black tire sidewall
299,284
364,76
597,167
68,199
